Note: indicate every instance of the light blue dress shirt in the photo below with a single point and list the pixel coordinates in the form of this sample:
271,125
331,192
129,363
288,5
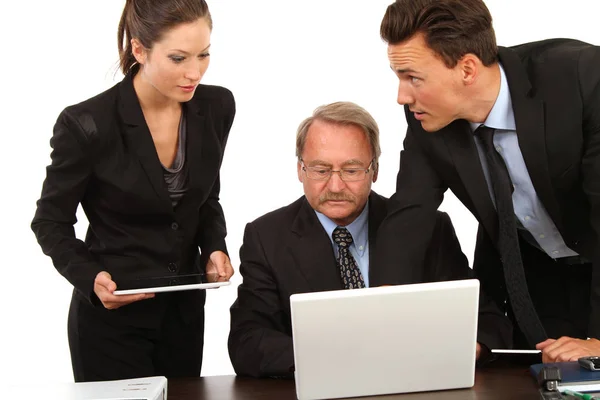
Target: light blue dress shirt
359,229
528,208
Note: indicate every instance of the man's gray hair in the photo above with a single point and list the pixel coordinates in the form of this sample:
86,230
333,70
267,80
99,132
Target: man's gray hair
342,113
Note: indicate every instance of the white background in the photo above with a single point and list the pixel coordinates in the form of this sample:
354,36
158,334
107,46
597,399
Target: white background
281,59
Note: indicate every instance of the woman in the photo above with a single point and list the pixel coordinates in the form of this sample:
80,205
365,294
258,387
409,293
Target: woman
143,160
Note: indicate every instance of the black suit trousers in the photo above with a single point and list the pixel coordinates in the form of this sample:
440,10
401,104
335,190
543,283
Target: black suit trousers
560,293
108,347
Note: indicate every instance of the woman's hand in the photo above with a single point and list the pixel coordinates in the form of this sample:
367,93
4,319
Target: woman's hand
104,287
219,264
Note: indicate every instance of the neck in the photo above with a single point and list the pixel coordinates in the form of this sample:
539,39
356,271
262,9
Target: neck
483,94
149,97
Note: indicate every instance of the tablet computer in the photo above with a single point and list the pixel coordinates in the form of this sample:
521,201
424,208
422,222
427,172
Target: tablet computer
169,283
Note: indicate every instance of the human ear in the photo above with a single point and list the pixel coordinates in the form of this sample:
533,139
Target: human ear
139,51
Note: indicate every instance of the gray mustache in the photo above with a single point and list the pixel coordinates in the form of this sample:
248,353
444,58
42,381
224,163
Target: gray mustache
335,197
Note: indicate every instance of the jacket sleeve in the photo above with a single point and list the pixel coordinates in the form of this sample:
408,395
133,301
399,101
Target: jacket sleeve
590,166
445,261
403,235
212,232
63,189
260,341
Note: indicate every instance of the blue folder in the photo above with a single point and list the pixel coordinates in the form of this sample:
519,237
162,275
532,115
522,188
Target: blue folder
571,372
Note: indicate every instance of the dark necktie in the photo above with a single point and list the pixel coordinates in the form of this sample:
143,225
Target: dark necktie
350,274
508,243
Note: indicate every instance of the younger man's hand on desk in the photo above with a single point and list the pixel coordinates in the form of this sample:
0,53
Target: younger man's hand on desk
104,287
568,349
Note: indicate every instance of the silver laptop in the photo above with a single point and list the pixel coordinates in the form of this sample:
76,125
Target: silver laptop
383,340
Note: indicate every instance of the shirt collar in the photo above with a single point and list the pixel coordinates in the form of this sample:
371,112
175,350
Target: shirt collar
501,116
359,228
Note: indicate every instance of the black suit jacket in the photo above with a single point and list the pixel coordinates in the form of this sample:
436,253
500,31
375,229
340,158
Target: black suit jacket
104,158
288,251
555,92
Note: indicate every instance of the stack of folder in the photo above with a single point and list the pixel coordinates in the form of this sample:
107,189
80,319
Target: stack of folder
573,377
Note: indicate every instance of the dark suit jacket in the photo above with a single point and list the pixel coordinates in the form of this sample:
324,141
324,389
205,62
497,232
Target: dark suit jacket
555,91
104,158
288,251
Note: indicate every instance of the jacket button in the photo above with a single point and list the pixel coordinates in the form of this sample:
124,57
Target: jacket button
172,267
174,226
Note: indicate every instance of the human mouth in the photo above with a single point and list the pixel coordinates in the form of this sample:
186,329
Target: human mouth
188,89
418,115
335,200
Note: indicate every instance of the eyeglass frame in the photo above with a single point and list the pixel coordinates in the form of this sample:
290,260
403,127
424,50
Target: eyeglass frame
339,172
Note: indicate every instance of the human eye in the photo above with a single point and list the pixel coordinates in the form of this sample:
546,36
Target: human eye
414,80
204,55
351,171
321,171
177,59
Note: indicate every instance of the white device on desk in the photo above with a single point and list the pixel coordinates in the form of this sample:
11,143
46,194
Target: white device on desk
383,340
149,388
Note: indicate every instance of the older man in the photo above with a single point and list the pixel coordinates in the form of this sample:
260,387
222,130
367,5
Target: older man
324,241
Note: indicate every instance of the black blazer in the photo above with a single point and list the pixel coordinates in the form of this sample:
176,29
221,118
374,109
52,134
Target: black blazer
287,251
555,92
104,158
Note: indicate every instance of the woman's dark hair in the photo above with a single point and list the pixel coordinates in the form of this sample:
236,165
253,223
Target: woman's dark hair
148,20
451,28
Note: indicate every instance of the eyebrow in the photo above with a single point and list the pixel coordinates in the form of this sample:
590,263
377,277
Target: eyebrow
329,165
353,162
318,162
403,71
185,52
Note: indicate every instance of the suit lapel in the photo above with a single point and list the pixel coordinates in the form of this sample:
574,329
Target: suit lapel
461,145
529,118
139,140
203,148
313,252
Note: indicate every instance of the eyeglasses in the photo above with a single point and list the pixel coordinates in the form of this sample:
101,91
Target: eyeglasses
346,174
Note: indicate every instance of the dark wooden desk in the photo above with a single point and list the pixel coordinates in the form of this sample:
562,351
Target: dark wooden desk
513,383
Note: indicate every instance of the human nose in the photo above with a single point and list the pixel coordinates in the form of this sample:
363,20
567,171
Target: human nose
404,95
195,71
192,75
335,183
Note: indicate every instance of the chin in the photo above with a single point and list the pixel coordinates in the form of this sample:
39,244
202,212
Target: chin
186,98
337,215
432,126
